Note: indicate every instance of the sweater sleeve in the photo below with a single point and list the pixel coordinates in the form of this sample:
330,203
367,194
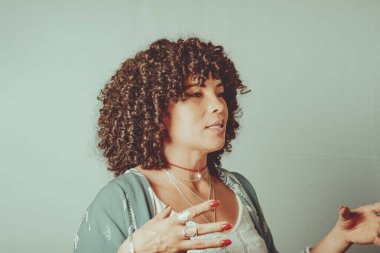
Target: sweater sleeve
105,222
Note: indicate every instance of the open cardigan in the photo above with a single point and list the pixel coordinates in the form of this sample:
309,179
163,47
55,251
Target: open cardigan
126,203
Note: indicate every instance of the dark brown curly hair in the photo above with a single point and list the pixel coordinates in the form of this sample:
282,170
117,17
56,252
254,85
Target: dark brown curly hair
135,101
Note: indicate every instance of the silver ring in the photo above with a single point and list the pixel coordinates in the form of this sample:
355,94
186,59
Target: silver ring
184,216
189,232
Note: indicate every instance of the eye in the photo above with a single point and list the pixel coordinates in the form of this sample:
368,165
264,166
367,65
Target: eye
193,95
220,94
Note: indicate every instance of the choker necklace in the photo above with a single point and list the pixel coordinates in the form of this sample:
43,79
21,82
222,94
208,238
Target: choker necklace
198,175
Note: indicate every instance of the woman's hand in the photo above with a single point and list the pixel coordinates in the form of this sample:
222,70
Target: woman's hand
357,226
164,233
361,225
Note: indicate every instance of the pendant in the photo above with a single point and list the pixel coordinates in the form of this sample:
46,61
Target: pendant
198,176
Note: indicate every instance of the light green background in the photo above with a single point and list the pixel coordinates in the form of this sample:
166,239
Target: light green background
310,137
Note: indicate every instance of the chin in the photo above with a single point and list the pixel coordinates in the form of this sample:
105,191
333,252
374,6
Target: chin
216,147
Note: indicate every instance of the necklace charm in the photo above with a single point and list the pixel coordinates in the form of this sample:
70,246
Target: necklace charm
198,176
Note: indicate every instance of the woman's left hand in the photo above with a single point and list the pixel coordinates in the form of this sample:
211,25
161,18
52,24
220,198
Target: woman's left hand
360,225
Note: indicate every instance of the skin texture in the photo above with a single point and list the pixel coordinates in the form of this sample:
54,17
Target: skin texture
187,120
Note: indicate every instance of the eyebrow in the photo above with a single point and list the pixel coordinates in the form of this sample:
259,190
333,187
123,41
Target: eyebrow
220,84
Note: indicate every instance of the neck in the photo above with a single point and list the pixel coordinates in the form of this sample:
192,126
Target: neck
193,161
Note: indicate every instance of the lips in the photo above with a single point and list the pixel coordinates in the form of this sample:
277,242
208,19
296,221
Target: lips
218,123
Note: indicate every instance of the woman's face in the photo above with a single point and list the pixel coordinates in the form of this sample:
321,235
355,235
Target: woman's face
199,121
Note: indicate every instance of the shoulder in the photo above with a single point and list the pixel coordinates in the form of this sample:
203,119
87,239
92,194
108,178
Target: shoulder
130,183
119,195
118,206
236,177
239,183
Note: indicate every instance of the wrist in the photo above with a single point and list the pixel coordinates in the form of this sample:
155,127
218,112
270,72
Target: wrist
336,236
334,242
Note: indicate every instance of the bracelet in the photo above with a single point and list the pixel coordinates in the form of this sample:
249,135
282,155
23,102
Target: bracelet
131,245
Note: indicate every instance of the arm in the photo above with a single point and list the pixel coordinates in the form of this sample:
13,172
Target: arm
105,222
333,242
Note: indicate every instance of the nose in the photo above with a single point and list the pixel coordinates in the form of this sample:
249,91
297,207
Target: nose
215,104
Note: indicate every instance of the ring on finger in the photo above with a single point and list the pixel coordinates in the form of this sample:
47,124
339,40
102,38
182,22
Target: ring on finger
189,232
184,216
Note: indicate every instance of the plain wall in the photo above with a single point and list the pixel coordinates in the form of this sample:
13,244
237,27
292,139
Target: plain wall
310,136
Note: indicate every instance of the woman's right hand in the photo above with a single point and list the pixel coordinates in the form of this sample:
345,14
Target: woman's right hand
164,233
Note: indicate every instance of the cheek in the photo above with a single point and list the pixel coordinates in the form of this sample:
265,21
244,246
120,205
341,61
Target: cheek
186,123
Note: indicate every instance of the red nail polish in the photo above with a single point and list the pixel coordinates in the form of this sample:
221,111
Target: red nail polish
215,203
226,242
226,226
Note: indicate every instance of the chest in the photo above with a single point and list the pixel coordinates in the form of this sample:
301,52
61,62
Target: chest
182,198
244,236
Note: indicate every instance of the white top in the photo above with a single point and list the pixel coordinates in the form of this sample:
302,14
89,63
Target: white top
243,235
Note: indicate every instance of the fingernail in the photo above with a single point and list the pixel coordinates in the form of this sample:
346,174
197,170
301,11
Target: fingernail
226,226
215,203
167,206
341,207
226,242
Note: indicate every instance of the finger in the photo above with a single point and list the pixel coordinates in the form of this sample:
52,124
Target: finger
345,213
161,215
164,213
205,243
203,207
213,227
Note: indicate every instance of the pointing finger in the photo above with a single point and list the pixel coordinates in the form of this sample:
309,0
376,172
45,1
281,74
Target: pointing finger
203,207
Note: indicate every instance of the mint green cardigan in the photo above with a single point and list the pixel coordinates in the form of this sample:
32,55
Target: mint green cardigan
125,204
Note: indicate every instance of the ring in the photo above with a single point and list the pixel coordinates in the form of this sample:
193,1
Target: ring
184,216
189,232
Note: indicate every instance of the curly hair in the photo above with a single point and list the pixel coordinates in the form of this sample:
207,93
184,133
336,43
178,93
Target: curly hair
135,100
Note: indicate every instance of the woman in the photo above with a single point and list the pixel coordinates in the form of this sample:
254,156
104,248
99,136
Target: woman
168,115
